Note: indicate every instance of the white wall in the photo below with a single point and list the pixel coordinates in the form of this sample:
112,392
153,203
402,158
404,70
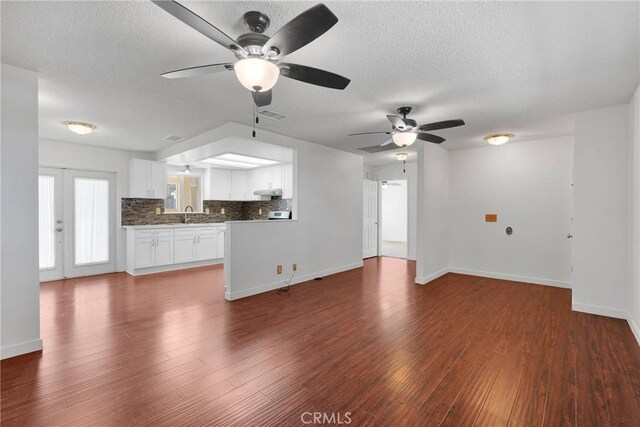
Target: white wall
634,176
86,157
528,185
432,245
394,212
395,171
601,247
325,238
19,215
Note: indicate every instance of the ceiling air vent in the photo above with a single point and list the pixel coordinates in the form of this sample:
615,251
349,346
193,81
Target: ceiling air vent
271,115
172,138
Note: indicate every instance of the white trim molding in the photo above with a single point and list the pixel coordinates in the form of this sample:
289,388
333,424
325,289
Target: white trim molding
426,279
22,348
634,329
599,310
230,296
512,277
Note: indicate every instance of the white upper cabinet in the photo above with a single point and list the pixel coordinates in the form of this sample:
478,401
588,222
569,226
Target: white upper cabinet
239,185
220,185
287,181
147,179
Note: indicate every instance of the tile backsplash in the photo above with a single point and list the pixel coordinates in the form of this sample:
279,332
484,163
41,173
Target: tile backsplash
143,211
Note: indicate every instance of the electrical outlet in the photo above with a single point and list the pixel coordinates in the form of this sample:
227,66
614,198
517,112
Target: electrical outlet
279,269
260,211
295,267
158,211
222,211
206,211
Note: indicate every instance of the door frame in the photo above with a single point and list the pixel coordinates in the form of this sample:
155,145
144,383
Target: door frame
56,272
377,220
380,213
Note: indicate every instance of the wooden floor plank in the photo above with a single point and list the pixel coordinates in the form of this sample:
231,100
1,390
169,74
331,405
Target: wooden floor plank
167,349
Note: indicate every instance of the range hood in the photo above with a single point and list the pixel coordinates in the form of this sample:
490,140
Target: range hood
269,192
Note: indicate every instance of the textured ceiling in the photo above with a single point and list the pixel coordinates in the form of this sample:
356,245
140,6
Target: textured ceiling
501,66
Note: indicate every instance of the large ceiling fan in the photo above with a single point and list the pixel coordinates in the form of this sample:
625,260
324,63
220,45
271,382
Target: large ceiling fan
258,55
404,132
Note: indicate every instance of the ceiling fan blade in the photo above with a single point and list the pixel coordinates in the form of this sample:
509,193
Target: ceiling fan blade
313,76
262,99
441,125
397,122
368,133
301,30
387,142
429,137
197,71
199,24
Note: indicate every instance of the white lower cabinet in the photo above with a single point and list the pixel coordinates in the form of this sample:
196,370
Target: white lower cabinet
152,250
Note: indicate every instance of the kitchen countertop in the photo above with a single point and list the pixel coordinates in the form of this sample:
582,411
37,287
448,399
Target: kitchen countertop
178,225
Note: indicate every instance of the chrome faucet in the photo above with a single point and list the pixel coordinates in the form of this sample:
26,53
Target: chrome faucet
186,219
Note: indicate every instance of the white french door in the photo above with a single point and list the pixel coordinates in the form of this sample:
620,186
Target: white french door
77,223
370,218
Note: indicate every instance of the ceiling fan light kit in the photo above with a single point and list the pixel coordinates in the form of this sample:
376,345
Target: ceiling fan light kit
257,67
404,139
256,74
405,132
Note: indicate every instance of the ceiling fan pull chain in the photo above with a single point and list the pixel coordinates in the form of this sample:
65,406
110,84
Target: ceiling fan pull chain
255,118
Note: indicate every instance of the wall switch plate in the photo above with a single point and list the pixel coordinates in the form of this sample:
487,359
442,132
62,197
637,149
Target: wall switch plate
279,269
207,211
222,211
260,211
295,267
158,211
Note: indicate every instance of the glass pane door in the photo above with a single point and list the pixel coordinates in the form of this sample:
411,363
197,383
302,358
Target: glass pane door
91,221
50,224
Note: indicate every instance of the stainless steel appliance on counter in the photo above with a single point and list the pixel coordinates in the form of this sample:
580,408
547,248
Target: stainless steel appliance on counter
275,215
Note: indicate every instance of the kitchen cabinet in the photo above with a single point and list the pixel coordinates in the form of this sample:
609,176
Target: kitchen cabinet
253,184
148,179
220,184
270,177
239,185
287,181
150,250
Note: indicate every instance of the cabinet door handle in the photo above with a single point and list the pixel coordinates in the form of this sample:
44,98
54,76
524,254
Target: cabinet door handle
153,243
194,240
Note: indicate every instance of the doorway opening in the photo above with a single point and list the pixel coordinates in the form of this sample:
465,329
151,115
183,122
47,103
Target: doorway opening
76,211
394,215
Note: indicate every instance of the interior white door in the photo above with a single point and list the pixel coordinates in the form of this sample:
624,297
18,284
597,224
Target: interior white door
89,212
370,219
51,225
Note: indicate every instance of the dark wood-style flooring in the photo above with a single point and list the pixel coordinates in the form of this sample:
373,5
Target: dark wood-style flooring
167,349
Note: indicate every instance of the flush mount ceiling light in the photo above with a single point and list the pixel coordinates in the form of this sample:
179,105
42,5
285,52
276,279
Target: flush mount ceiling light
401,156
257,74
80,128
498,138
187,170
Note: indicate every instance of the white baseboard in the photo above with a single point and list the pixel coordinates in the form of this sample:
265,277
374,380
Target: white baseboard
230,295
634,329
599,310
18,349
423,280
171,267
511,277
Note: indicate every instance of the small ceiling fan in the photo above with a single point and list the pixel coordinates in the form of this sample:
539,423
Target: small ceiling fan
258,55
404,132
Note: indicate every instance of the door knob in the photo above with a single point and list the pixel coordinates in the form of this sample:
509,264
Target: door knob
59,229
569,236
